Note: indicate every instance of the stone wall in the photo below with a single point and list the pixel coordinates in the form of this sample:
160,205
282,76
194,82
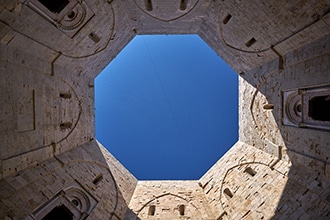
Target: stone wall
278,169
87,174
165,199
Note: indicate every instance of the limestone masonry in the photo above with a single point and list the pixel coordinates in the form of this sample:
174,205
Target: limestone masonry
51,166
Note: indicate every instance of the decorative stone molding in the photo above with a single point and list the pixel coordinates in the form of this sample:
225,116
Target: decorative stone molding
73,200
68,16
307,107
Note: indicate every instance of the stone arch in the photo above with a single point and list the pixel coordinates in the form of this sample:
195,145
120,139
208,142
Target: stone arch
75,24
262,40
240,188
93,170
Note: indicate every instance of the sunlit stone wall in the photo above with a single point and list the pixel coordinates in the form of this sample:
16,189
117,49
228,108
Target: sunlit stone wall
49,156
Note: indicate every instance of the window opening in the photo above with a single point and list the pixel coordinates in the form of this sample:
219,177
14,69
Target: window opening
65,95
98,179
183,5
319,108
226,19
65,125
148,4
152,210
268,106
250,171
181,209
228,193
94,37
307,107
59,212
250,42
55,6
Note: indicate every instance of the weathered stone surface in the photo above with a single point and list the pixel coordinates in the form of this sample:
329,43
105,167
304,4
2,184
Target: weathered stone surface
48,152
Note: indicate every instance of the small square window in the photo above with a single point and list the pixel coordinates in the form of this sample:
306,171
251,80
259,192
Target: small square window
59,212
319,108
55,6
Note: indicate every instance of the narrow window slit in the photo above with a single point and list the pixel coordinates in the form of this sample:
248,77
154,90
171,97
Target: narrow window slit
248,212
152,210
181,210
268,106
65,95
94,37
183,5
250,42
261,204
98,179
226,19
148,4
65,125
228,193
250,171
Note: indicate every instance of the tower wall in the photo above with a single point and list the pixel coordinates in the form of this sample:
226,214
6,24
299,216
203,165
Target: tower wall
279,168
88,174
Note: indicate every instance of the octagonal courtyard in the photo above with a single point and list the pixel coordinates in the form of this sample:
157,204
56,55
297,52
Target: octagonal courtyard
52,166
172,101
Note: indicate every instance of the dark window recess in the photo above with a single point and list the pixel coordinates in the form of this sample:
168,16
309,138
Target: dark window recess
319,108
226,19
94,37
55,6
59,212
152,210
183,5
65,95
98,179
228,194
181,210
65,125
250,42
148,4
268,106
250,171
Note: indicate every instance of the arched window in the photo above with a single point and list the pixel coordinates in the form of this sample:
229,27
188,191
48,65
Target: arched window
250,171
228,193
152,210
181,209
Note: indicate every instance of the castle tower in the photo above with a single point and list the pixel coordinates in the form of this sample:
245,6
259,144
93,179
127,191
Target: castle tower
51,166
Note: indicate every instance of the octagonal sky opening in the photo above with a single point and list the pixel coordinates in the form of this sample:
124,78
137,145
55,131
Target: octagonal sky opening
167,107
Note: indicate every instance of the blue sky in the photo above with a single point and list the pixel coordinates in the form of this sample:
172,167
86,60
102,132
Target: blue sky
167,107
